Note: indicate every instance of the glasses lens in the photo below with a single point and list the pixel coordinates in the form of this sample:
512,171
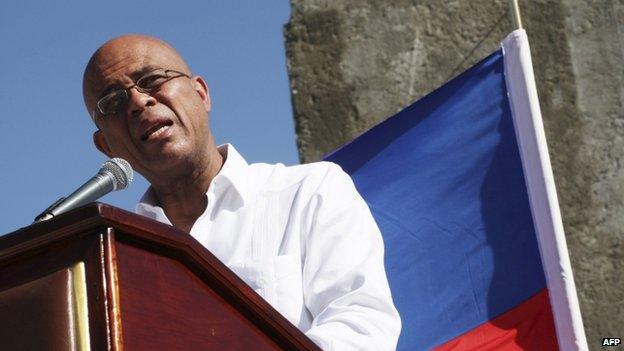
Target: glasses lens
112,103
152,80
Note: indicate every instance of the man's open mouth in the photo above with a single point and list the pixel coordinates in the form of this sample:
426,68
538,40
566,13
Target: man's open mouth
156,130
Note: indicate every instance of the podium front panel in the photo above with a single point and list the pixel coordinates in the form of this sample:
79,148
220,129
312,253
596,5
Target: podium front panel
167,307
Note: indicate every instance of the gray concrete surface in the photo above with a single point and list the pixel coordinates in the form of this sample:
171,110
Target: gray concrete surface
353,63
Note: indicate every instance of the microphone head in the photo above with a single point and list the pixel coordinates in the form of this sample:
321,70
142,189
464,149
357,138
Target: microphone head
120,170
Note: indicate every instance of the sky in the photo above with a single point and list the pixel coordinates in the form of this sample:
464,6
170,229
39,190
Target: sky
47,151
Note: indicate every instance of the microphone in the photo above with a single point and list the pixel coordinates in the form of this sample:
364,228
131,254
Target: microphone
115,174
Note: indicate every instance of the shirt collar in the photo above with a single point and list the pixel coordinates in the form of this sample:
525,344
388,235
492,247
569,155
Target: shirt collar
232,175
233,172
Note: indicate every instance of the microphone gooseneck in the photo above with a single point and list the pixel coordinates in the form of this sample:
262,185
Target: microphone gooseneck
115,174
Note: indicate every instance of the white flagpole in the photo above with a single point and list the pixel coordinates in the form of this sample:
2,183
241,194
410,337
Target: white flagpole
542,193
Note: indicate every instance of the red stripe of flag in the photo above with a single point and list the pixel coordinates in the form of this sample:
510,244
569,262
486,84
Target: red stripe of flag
529,326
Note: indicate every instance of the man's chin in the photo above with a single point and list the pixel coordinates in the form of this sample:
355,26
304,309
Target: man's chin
163,161
164,151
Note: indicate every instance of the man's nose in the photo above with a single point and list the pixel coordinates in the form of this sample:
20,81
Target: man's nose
138,101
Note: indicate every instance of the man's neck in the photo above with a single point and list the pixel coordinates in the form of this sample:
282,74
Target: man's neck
183,199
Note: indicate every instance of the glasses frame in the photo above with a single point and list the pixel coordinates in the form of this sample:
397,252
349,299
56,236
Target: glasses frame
139,88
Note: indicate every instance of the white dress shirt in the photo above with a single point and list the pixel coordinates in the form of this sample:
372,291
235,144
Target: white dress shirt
304,239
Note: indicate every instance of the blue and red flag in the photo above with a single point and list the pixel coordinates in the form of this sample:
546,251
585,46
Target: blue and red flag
461,187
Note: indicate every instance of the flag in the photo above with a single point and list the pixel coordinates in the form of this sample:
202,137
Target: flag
461,187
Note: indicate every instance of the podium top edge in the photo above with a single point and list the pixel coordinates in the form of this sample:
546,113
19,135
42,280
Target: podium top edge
82,220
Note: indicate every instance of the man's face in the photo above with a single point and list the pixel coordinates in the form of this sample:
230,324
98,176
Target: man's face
154,131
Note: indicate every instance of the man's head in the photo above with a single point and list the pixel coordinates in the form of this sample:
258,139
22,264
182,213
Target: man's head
159,129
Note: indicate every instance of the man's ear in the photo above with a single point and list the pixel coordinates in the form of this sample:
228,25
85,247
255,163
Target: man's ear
100,143
202,89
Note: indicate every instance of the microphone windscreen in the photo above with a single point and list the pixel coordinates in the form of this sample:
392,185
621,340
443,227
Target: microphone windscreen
121,171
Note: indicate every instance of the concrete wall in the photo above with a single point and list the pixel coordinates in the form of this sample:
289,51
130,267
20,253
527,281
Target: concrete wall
353,63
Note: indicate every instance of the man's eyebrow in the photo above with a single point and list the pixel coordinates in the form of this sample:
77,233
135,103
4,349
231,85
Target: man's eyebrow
134,75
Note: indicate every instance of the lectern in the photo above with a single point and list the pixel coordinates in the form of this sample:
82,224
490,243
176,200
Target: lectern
100,278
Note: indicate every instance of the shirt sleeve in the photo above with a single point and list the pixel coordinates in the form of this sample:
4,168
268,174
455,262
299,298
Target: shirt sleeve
344,280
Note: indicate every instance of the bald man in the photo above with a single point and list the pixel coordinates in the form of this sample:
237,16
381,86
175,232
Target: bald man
301,236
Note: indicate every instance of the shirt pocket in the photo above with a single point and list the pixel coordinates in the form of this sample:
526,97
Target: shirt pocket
278,280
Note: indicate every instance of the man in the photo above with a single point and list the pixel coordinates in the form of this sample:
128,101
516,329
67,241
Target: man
300,236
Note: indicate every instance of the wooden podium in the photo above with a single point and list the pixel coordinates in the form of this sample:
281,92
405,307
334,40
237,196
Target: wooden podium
100,278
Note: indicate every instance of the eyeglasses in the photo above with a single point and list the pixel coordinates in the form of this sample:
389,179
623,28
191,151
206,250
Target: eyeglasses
113,102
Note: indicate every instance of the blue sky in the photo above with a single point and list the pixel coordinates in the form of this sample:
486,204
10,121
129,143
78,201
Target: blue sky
47,151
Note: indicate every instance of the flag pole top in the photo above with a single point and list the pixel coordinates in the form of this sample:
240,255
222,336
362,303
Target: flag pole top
515,14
